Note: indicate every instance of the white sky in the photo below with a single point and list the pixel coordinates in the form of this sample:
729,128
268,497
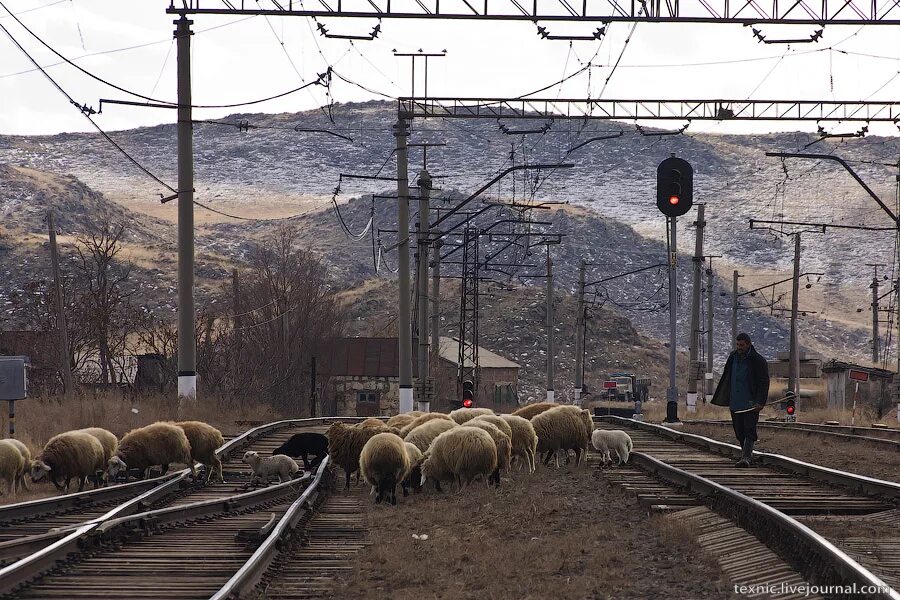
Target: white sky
244,60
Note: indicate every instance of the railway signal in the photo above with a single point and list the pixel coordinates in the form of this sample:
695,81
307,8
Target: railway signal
468,393
790,408
674,186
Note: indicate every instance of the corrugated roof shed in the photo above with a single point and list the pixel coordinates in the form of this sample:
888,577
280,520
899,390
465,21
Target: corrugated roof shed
449,351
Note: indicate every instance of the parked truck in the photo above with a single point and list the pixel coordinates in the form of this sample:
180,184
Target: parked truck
626,387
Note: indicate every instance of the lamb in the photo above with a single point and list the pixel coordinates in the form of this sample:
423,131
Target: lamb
12,464
618,441
460,454
421,420
345,443
265,466
156,444
461,415
563,428
529,411
400,421
204,440
73,454
384,463
26,465
371,422
501,441
524,439
414,476
422,436
301,445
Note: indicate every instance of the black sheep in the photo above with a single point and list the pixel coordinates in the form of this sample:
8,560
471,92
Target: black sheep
303,444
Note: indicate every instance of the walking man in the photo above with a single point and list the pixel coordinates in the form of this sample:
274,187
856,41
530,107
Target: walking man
744,389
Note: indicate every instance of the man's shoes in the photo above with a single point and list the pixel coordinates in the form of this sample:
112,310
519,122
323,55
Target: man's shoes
747,455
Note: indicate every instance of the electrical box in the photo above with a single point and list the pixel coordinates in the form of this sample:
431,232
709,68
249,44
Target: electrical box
13,379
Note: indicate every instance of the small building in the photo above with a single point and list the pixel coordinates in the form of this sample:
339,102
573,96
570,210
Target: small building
361,377
840,388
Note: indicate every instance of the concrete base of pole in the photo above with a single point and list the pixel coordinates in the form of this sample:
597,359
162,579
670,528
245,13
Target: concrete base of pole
406,400
187,387
672,405
424,407
691,402
709,398
550,396
577,396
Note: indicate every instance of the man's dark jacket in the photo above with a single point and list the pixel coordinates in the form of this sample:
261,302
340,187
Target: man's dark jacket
759,379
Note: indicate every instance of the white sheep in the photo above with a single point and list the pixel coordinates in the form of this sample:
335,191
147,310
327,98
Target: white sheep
604,440
266,466
12,463
26,454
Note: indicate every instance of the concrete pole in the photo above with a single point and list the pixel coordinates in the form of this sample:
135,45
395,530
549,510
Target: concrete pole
436,305
672,392
709,332
422,235
187,350
694,348
734,308
579,337
401,133
875,349
551,357
65,361
794,366
238,323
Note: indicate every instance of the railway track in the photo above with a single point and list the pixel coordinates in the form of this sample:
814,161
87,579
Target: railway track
177,540
826,526
885,437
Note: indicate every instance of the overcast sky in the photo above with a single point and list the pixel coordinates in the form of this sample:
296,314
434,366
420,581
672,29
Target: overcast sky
237,59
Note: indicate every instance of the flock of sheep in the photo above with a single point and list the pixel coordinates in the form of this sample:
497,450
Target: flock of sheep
97,454
464,445
406,450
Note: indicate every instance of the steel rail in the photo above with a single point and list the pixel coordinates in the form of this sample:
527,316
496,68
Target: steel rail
253,570
895,444
791,538
870,486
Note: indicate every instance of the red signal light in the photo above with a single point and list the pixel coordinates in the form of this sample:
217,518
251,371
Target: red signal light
467,403
790,410
674,200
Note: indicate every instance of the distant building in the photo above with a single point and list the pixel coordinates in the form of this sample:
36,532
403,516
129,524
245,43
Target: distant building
839,387
361,377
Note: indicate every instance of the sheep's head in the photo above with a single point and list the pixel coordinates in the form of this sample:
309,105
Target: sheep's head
39,470
114,466
250,457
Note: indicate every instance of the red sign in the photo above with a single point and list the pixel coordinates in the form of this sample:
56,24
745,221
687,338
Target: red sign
610,385
855,375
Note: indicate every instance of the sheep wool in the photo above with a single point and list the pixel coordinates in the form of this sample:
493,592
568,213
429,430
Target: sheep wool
497,422
371,422
106,438
422,436
400,421
529,411
12,463
204,440
561,428
421,420
158,444
617,441
26,465
524,439
345,443
384,463
414,476
501,441
264,467
461,415
73,454
460,454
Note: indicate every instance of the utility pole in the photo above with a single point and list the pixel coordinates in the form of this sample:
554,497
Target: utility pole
734,308
672,392
436,304
238,333
794,366
401,133
550,328
694,349
422,235
710,389
65,362
187,350
579,337
875,313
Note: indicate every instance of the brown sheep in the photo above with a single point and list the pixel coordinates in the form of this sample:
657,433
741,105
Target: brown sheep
345,443
110,445
529,411
421,420
501,440
204,440
422,436
563,428
73,454
460,454
384,463
157,444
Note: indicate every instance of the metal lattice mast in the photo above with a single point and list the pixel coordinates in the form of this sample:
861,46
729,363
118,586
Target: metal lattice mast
468,314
